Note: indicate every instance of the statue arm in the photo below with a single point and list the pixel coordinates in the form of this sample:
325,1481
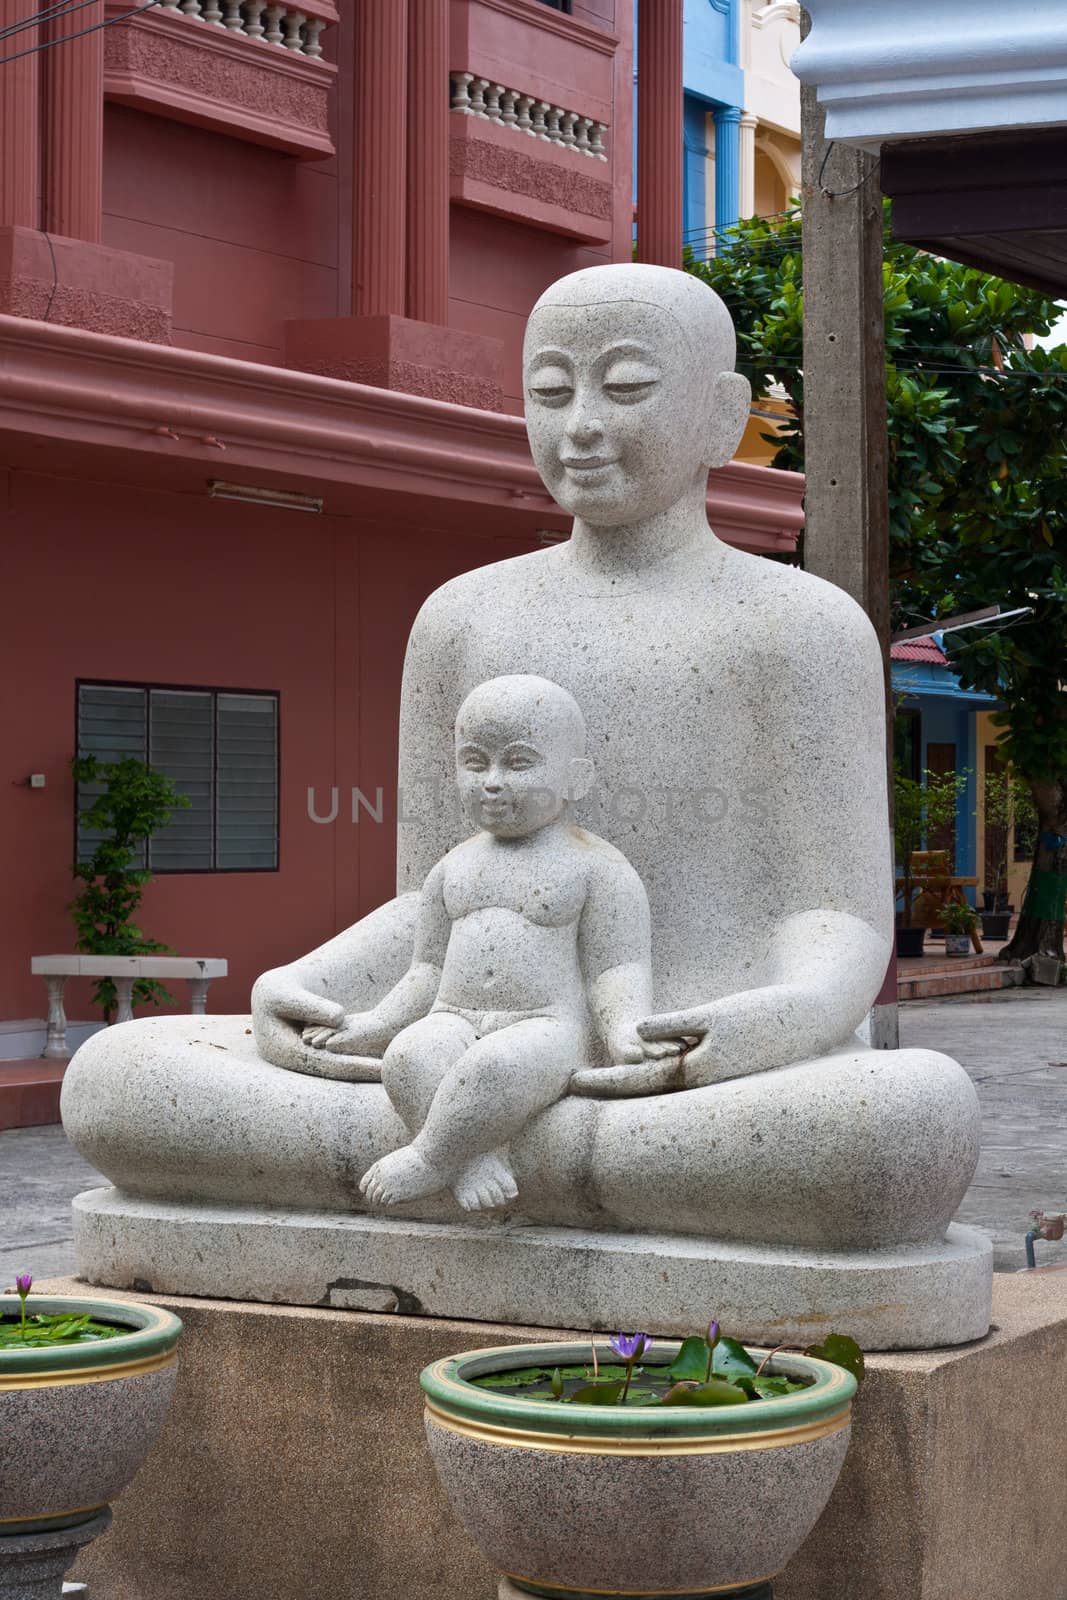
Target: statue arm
615,947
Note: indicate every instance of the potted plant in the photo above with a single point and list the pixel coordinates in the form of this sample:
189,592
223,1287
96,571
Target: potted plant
960,921
640,1467
1008,806
920,807
84,1388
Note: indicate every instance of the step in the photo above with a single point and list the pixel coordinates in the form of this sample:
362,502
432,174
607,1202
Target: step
29,1093
964,978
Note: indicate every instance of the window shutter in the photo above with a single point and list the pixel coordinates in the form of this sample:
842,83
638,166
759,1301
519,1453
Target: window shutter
112,724
181,744
247,781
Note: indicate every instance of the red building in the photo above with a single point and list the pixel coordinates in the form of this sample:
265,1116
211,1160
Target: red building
254,251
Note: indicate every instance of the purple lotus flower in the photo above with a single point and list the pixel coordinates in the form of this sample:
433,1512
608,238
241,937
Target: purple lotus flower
713,1334
629,1346
24,1284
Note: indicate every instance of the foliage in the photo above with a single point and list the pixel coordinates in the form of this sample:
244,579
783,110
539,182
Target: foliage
977,485
134,804
43,1331
708,1370
958,917
1007,807
921,808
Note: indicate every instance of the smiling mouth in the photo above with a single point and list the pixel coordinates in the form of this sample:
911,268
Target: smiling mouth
587,463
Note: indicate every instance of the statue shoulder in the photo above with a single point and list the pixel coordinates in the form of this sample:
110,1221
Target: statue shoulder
449,608
806,620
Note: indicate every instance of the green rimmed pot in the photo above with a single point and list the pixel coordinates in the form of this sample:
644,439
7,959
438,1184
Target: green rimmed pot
77,1421
575,1501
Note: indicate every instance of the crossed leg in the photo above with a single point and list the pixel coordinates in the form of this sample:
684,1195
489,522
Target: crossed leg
464,1098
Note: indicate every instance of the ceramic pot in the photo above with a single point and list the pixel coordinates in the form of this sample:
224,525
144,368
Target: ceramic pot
571,1501
910,941
76,1422
957,944
996,925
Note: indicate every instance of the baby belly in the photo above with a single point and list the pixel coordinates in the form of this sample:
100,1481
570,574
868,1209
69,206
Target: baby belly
498,960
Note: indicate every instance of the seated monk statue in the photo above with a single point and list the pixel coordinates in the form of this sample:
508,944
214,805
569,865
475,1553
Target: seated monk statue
735,710
532,941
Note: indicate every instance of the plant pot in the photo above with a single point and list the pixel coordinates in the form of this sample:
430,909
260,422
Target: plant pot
910,941
570,1501
957,944
76,1422
996,925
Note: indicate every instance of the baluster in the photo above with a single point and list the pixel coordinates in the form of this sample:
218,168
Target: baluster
566,125
596,140
170,5
540,110
507,111
461,99
233,19
294,21
55,1044
311,33
191,7
552,116
211,13
523,122
274,19
478,88
492,101
581,135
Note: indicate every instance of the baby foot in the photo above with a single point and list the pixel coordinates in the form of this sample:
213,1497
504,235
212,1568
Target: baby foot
403,1175
485,1182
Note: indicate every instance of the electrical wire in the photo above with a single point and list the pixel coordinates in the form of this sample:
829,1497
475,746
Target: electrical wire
50,14
67,38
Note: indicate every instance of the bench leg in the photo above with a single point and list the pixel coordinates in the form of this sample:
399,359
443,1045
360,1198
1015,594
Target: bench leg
198,988
124,992
55,1044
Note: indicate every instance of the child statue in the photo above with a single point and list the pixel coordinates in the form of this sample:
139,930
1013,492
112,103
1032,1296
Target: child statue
532,957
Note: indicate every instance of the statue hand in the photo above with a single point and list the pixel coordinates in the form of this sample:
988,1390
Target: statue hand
279,1001
625,1043
754,1031
360,1034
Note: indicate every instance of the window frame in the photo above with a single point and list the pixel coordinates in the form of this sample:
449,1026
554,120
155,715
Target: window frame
191,688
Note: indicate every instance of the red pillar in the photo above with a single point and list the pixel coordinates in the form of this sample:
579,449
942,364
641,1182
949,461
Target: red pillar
428,181
19,142
74,126
660,138
380,142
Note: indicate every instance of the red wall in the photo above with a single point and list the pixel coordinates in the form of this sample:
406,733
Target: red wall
165,588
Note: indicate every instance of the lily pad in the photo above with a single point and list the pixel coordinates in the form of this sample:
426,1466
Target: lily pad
716,1393
691,1362
597,1394
842,1351
732,1360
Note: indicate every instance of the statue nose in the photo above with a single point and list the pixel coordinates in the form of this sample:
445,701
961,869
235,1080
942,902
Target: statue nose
584,428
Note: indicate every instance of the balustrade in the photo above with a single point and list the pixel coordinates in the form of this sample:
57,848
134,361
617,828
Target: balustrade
288,29
473,96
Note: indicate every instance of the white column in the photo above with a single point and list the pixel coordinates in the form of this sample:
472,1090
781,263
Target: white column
747,184
124,993
198,988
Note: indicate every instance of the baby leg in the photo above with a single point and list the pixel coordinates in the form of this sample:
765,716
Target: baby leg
412,1069
490,1094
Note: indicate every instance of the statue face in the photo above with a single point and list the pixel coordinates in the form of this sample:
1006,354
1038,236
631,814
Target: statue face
614,409
511,781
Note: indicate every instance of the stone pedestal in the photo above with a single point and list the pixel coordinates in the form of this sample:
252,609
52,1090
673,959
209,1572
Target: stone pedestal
293,1463
904,1298
392,352
32,1565
84,285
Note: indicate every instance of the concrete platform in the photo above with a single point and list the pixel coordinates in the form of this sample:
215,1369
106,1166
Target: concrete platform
293,1464
898,1298
29,1093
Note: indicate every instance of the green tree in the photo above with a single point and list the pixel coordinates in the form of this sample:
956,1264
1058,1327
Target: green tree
977,487
134,803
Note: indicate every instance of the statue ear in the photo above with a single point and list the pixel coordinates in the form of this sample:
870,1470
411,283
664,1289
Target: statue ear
583,775
731,396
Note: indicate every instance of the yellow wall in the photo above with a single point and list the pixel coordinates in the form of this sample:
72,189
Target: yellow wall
1018,871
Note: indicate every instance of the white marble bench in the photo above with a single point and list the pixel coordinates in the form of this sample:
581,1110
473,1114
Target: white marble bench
124,972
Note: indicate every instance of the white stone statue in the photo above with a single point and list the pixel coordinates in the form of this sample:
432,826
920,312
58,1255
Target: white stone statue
532,945
736,714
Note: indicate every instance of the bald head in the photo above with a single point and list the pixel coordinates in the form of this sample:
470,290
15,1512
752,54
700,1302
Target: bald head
520,755
522,706
699,312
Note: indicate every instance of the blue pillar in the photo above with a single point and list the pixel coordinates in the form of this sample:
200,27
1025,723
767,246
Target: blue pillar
727,165
694,213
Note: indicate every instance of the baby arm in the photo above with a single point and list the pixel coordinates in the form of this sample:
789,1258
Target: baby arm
369,1032
615,946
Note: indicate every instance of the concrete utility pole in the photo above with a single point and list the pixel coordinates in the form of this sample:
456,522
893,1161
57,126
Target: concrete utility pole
846,504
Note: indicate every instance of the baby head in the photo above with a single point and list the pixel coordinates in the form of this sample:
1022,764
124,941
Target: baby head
520,755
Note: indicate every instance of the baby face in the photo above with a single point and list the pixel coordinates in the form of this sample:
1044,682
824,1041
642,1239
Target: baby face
513,779
613,400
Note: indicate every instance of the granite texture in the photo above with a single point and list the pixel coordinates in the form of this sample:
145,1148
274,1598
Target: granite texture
559,1277
33,1565
951,1490
736,720
599,1522
77,1445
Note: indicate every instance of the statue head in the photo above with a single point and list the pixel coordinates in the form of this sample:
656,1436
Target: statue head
631,393
520,755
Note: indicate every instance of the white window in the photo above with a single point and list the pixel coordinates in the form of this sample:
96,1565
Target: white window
221,750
